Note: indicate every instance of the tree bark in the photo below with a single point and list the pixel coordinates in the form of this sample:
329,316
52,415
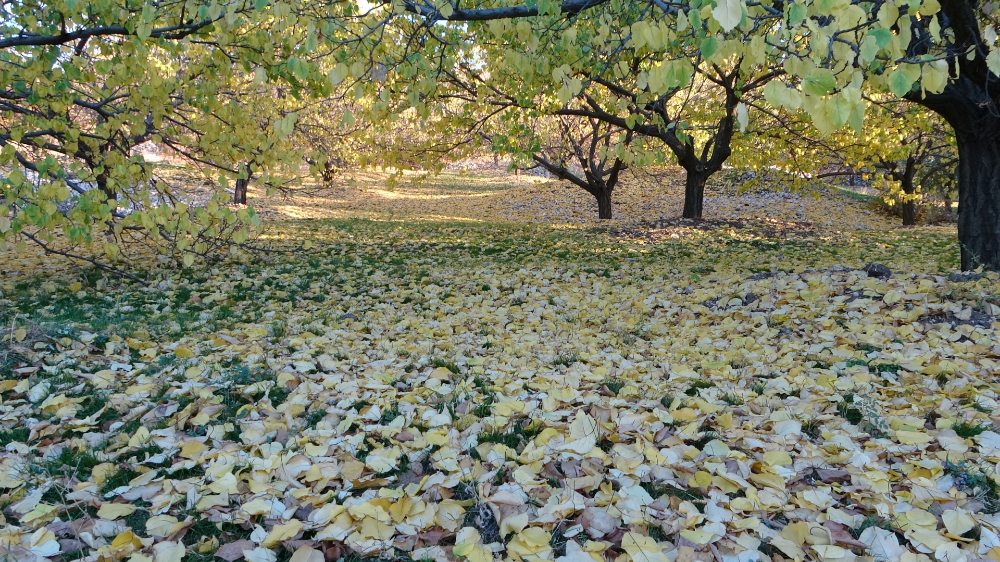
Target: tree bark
979,196
604,210
906,184
694,193
973,116
909,212
240,193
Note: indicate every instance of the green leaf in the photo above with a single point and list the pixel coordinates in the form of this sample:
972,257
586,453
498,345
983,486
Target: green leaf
709,47
796,13
728,13
857,118
882,37
900,82
774,93
820,83
869,48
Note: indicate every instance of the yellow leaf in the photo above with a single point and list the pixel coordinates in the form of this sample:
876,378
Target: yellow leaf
112,511
697,537
306,554
168,551
256,507
958,523
777,458
913,437
282,533
124,539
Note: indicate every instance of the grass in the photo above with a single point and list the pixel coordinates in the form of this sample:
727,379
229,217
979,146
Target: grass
846,410
521,431
732,399
886,368
391,270
698,385
855,195
120,477
657,489
14,435
72,464
969,429
871,521
615,385
973,480
811,429
565,360
706,437
438,363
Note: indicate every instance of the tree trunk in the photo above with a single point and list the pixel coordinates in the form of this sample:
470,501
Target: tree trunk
603,204
240,193
972,114
694,193
979,196
909,203
909,212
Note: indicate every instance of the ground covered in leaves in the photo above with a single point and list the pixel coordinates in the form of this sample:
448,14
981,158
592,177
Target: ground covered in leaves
661,391
501,197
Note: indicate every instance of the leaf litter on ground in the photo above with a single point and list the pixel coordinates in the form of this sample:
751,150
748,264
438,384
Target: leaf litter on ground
480,391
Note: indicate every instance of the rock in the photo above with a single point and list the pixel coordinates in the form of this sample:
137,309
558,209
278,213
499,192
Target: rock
964,277
877,270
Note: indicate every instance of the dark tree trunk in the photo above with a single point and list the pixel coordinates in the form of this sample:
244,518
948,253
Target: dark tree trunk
603,197
909,212
329,172
979,196
973,116
909,202
240,193
694,193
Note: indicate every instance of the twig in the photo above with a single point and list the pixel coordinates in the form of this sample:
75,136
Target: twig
95,263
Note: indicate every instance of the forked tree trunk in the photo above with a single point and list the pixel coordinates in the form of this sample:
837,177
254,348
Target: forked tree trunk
694,193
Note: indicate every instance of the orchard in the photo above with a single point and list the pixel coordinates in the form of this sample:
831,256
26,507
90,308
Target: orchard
592,280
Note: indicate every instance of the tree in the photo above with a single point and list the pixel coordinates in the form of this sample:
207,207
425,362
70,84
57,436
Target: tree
904,151
82,86
915,150
942,54
591,146
631,66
